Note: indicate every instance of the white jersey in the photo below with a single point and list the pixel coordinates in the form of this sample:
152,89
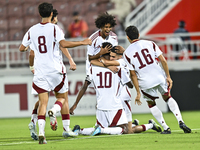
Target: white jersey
44,40
125,92
141,56
108,87
97,41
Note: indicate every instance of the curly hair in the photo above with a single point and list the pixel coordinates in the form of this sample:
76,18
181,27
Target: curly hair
104,19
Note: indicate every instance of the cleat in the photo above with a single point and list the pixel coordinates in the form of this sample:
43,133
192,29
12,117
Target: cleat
135,122
156,127
96,131
53,120
69,134
184,127
42,139
33,131
168,131
76,129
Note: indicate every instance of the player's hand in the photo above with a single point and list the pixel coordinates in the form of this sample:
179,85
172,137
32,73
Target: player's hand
72,66
119,49
33,71
105,49
87,41
169,82
71,110
114,69
137,99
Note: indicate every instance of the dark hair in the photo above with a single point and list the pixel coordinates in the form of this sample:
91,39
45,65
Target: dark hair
45,9
114,50
104,44
76,13
132,32
181,24
104,19
55,13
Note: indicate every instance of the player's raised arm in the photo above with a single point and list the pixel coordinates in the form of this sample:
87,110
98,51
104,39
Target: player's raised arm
70,44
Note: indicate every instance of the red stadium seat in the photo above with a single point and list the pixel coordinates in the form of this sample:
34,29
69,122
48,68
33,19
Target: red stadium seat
30,21
3,24
14,10
15,23
15,34
62,7
30,8
3,10
3,35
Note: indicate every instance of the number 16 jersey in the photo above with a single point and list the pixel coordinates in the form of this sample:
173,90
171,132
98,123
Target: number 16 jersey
141,56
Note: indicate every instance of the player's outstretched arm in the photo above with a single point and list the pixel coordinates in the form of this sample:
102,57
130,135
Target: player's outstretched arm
70,44
109,62
78,98
71,61
96,62
135,82
166,69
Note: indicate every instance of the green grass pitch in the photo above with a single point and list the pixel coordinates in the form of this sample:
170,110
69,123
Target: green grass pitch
14,135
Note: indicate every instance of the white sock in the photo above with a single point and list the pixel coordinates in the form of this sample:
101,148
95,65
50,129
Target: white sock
159,116
34,118
112,130
41,125
148,126
133,125
86,131
56,108
173,106
66,124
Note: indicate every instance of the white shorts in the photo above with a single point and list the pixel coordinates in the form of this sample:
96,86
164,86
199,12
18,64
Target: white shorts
111,118
151,94
127,109
51,82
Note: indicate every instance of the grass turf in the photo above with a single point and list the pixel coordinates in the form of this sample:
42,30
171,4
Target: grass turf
14,135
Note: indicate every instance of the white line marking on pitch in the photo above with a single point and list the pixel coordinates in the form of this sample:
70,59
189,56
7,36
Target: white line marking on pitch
87,137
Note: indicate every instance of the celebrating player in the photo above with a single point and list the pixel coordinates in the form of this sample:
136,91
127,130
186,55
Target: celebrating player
45,39
104,23
147,74
32,124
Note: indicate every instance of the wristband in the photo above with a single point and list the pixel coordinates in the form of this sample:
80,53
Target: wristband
31,68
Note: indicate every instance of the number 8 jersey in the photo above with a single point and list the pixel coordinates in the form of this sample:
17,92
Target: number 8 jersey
141,56
44,41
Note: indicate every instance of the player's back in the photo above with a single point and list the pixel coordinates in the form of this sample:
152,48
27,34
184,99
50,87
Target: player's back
141,55
107,86
45,44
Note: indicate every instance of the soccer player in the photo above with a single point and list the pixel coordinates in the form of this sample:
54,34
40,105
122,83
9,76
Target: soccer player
45,39
147,75
111,118
32,124
104,22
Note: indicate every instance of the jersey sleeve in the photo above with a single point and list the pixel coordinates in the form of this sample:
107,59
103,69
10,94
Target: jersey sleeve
157,50
128,62
26,39
59,34
90,49
124,76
